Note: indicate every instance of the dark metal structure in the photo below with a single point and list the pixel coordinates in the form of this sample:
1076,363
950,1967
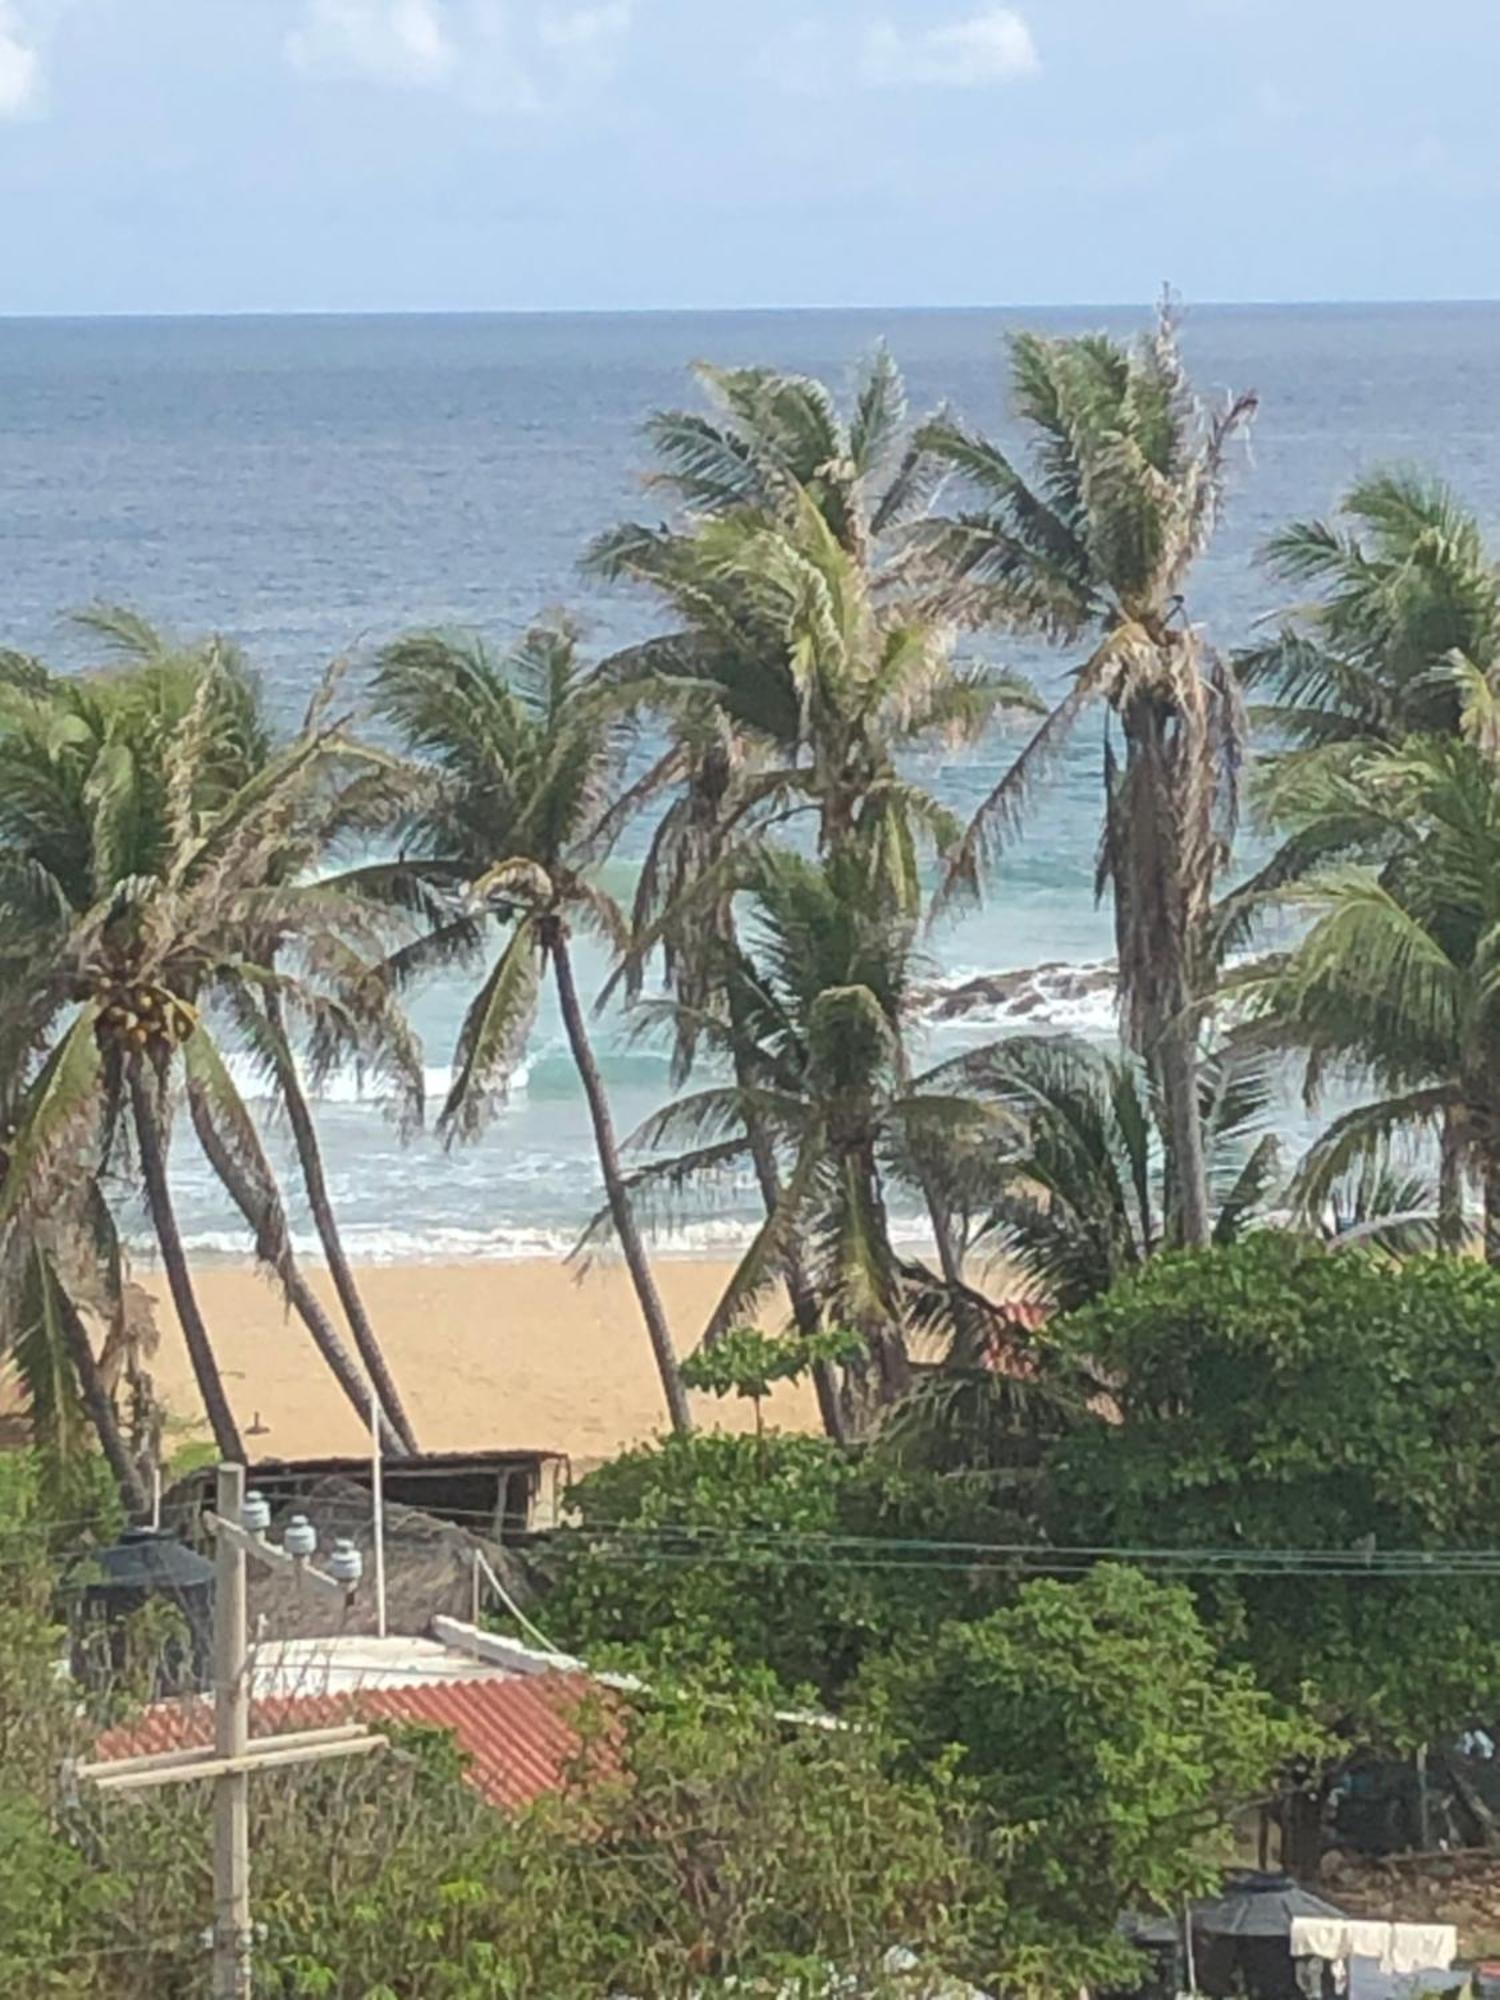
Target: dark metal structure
145,1568
1241,1939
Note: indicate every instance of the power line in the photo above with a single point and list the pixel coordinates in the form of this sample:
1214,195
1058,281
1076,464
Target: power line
1041,1561
768,1544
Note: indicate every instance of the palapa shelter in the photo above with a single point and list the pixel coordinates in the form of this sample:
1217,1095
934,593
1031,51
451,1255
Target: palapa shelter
1239,1941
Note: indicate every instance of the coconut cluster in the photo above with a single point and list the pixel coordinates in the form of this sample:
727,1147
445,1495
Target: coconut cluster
143,1016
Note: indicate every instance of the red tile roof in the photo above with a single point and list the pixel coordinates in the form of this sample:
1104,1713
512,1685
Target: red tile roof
517,1731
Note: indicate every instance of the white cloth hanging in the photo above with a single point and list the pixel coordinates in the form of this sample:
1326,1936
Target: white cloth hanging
1421,1948
1397,1948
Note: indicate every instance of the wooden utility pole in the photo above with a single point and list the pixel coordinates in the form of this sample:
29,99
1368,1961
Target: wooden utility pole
234,1754
231,1740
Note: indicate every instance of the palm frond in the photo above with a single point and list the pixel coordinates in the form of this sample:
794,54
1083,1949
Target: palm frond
59,1114
760,1268
494,1032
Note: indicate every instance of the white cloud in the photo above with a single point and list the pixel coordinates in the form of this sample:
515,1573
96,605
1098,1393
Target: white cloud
392,41
524,57
992,46
20,65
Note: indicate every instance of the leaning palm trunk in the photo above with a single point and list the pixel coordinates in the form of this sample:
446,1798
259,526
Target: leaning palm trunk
97,1402
310,1159
621,1213
870,1284
806,1315
969,1332
174,1260
274,1249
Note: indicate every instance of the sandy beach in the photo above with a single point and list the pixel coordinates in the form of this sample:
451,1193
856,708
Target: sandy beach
488,1354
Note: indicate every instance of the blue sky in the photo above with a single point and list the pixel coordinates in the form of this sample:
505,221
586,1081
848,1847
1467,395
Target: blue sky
242,155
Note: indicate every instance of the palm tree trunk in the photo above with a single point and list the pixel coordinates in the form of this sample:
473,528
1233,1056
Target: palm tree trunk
891,1358
310,1159
614,1180
99,1406
1450,1184
805,1313
1177,1074
1154,855
179,1279
1492,1207
268,1226
969,1333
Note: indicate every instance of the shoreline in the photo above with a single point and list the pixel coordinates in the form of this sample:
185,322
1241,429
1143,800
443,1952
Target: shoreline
488,1354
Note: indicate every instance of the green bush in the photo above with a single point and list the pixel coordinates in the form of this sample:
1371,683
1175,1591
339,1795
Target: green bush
711,1852
1096,1727
1275,1396
762,1553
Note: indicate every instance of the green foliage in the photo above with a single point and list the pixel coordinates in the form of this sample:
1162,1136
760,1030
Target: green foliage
714,1550
748,1363
794,611
46,1892
1094,1722
1394,977
1275,1395
153,850
1404,583
696,1849
1096,543
515,760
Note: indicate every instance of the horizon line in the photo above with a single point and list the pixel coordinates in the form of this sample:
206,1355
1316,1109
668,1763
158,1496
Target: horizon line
1188,305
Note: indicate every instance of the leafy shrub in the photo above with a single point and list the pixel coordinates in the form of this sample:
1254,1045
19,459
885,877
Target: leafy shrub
747,1363
1275,1396
1096,1726
716,1853
762,1553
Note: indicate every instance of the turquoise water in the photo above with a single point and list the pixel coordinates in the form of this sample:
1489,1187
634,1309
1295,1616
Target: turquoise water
313,485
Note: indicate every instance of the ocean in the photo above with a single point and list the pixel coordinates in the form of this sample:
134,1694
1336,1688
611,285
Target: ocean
314,485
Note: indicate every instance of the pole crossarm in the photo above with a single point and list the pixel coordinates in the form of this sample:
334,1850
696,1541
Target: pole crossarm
175,1767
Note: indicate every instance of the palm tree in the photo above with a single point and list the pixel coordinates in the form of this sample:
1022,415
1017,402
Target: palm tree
821,995
1129,471
352,1021
515,763
1407,614
771,437
1395,980
798,672
136,861
1403,589
793,622
1079,1199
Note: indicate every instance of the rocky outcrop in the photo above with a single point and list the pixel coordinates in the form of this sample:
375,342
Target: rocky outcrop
1030,991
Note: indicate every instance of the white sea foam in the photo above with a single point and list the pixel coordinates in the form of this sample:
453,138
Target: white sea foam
348,1086
374,1243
